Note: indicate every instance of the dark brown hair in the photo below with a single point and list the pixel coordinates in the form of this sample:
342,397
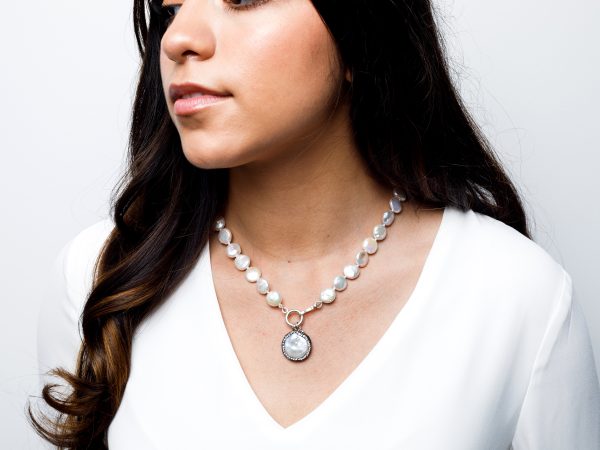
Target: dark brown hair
412,131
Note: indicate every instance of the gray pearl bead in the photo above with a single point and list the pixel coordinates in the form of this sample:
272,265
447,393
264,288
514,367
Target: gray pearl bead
379,232
388,218
262,286
362,258
340,283
400,194
225,236
395,205
219,223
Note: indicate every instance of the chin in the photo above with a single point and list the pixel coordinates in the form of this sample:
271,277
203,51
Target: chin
214,155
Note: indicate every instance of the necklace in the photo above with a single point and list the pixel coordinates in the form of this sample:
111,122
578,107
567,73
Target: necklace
296,344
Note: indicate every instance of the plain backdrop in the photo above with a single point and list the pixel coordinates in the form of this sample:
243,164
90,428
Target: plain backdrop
528,70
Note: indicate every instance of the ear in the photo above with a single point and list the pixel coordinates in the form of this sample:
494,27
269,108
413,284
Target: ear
348,75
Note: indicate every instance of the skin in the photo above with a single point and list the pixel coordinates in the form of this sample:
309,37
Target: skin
301,201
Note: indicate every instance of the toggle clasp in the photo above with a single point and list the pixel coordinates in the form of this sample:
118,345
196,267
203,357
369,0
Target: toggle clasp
296,324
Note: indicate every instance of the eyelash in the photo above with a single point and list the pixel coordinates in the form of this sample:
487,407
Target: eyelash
253,4
167,12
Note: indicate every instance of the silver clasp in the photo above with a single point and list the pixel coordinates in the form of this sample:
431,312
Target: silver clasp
287,317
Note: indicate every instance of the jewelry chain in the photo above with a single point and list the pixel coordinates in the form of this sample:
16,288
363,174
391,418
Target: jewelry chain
242,262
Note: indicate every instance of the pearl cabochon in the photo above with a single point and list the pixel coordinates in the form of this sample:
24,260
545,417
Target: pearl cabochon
296,345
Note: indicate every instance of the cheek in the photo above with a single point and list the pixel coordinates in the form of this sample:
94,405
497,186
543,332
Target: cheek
164,69
287,72
281,68
167,69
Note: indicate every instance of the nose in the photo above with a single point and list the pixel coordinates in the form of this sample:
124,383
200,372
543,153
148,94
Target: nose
190,34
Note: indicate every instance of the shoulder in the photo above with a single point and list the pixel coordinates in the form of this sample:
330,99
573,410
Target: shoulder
500,247
511,267
78,257
65,296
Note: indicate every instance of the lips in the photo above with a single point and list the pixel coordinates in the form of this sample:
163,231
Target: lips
188,90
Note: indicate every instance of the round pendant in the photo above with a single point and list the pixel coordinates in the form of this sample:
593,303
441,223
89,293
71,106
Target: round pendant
296,345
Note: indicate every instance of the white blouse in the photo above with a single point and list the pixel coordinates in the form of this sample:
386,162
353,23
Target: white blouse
491,351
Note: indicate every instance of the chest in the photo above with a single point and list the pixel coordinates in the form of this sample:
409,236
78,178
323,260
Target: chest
342,334
197,377
391,362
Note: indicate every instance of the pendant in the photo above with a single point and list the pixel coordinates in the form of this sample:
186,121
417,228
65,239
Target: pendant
296,345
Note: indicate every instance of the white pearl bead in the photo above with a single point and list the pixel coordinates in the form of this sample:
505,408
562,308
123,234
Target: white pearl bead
242,262
362,258
370,245
400,194
328,295
225,236
379,232
233,250
340,283
273,298
351,271
395,205
262,285
252,274
388,218
219,223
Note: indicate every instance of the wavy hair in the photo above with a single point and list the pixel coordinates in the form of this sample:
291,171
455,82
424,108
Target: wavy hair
410,126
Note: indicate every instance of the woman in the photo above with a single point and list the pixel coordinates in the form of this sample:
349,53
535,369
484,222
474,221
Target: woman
398,302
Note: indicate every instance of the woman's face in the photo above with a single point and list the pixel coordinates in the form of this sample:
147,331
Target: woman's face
274,64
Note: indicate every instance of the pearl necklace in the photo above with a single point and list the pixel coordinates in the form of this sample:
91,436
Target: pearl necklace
296,344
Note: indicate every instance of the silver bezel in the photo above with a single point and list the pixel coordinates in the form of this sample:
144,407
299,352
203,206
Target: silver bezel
291,358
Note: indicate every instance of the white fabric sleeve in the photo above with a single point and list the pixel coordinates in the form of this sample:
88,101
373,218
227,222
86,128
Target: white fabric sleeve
58,338
561,409
59,329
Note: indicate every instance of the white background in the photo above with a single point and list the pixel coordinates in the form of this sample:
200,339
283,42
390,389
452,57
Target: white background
529,71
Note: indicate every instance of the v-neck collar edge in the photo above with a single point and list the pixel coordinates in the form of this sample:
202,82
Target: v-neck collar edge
371,360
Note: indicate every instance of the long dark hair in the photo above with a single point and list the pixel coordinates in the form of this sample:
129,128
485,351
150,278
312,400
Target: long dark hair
412,131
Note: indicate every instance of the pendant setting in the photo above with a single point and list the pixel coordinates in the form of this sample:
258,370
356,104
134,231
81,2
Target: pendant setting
296,345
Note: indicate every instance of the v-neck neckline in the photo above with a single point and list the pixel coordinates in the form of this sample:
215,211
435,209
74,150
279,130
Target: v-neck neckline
415,301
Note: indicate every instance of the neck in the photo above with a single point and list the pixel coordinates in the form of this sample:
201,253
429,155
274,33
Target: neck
305,205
